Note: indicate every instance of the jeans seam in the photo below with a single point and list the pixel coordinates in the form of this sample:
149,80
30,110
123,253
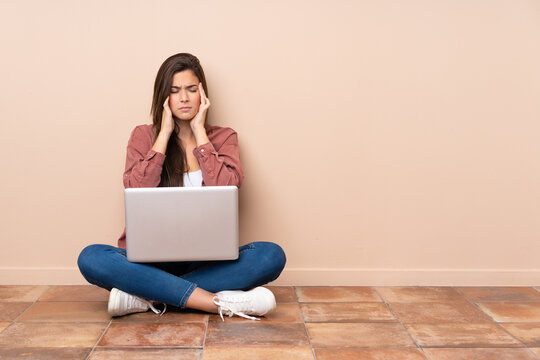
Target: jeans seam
248,247
188,292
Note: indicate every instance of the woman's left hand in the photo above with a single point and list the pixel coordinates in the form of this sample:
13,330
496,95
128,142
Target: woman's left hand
197,123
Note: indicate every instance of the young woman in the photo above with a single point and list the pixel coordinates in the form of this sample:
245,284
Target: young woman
180,149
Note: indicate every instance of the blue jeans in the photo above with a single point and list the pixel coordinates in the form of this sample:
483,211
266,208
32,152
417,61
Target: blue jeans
172,283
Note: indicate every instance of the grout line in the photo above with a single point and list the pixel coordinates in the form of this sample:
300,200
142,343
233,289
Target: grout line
399,320
10,324
49,287
99,339
304,322
494,321
205,333
35,301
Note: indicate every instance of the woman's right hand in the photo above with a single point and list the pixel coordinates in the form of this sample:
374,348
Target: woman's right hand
167,128
167,121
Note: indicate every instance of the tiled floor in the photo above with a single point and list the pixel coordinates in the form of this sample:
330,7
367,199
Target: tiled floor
323,323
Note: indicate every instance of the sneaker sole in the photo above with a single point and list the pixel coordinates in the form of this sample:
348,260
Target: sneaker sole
113,297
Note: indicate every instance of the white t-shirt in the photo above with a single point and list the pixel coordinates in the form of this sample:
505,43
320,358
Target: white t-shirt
193,179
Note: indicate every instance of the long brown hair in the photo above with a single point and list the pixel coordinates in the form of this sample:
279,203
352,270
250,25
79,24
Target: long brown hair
175,161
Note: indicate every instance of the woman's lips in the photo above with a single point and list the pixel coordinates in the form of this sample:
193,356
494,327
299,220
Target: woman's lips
185,108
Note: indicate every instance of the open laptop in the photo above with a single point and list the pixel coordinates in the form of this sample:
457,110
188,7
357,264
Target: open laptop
181,223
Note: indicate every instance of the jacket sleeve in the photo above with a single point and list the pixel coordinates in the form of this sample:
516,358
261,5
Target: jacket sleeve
221,166
143,165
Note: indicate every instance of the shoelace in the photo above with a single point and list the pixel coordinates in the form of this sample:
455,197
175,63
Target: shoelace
160,313
228,305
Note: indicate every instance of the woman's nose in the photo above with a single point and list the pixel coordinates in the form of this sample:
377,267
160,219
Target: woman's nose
183,96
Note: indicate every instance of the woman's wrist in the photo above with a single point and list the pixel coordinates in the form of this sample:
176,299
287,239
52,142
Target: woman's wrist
166,134
200,135
161,142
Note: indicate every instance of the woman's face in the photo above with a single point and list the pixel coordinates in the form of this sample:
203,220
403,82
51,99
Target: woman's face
184,97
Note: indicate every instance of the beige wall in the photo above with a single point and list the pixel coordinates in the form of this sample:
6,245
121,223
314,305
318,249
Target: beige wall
384,142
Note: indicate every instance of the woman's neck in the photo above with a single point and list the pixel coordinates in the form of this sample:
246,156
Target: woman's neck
186,134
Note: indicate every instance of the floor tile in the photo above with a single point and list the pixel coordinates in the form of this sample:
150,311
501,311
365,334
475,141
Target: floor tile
21,293
428,313
255,333
512,312
283,294
479,354
369,354
489,293
45,353
80,311
346,312
336,294
410,294
10,310
284,313
51,334
173,317
145,353
335,335
75,293
143,334
461,335
528,333
4,325
263,353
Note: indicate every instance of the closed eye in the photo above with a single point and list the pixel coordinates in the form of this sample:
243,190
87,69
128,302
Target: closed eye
190,88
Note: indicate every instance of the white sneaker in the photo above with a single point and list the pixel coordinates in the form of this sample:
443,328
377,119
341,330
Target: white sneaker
258,301
121,303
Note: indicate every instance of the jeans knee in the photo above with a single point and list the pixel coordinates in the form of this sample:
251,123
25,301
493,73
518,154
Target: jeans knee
273,258
87,258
